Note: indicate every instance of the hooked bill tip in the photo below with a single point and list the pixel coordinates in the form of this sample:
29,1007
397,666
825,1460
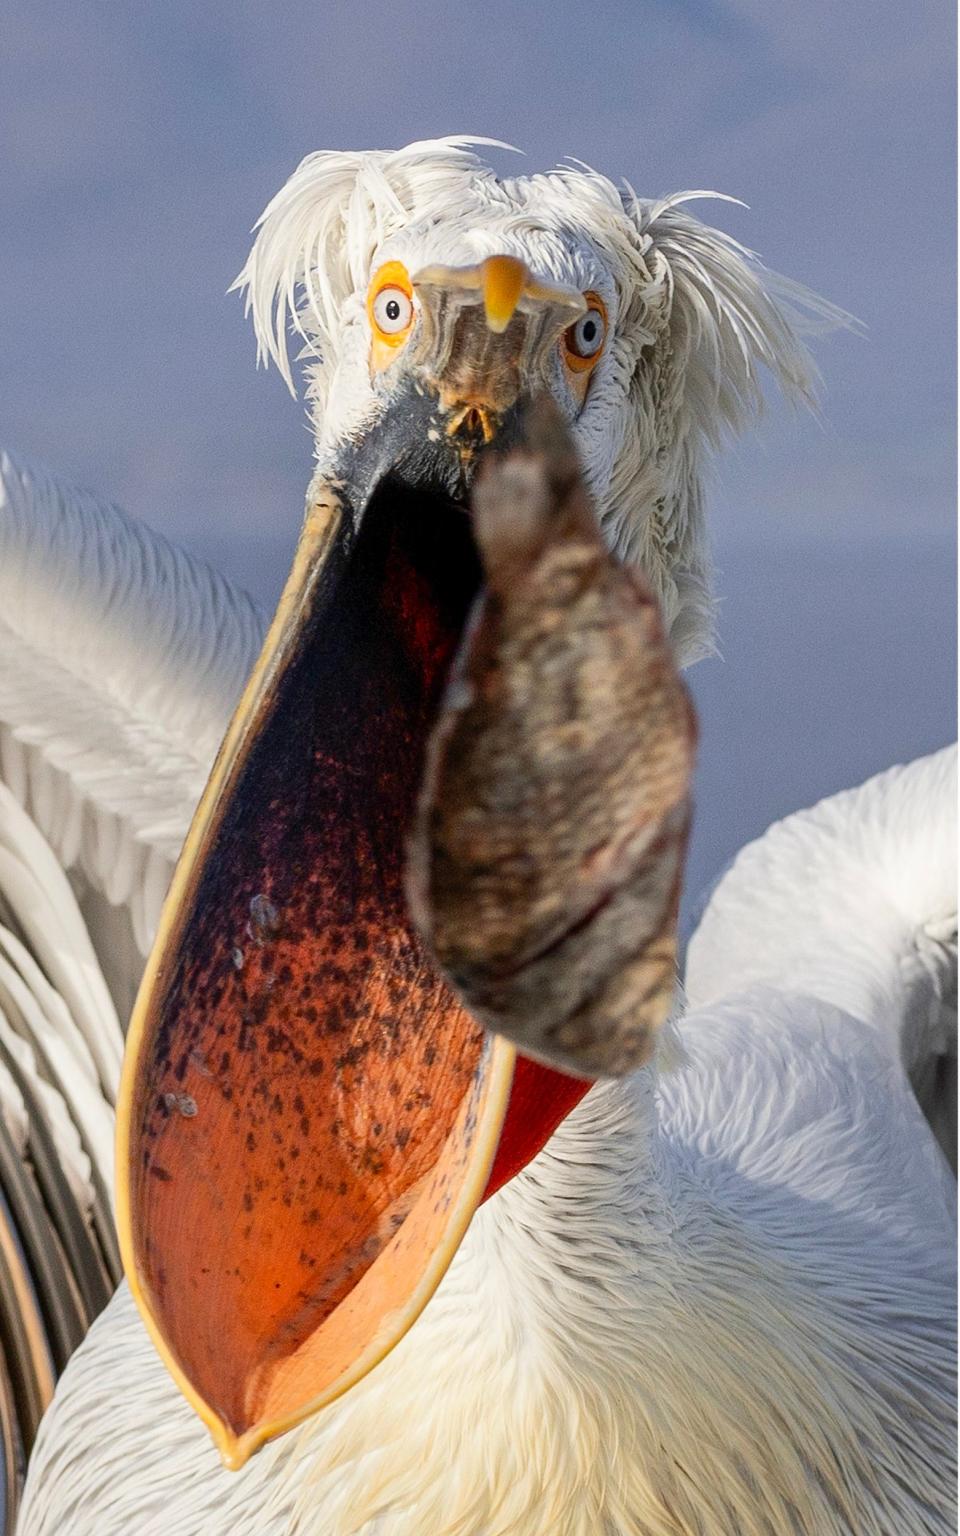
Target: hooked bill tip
503,280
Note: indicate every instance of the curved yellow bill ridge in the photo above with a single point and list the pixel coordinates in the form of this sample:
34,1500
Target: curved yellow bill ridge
307,1117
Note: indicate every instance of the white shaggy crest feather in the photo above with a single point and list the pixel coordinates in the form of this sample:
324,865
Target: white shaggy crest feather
695,318
721,1302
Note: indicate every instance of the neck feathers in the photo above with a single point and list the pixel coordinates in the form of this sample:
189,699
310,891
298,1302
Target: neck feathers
614,1352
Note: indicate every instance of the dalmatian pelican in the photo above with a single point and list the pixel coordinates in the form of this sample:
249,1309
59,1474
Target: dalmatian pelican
393,1276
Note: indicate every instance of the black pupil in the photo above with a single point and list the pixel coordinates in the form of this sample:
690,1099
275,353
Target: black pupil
393,309
589,330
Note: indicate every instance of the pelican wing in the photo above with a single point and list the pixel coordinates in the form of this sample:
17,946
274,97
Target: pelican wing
883,948
121,658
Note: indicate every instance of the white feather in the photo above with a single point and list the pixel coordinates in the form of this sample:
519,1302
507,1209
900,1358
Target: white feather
897,908
718,1302
12,1106
42,1018
56,1115
120,660
38,897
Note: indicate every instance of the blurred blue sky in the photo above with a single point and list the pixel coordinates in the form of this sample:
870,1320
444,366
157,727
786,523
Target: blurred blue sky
139,142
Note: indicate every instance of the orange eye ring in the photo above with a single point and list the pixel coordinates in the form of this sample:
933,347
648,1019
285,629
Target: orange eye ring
577,338
390,312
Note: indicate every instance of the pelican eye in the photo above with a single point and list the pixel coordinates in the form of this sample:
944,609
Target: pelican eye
587,335
390,311
583,341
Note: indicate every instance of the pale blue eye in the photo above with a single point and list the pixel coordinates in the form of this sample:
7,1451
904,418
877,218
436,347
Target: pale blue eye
586,337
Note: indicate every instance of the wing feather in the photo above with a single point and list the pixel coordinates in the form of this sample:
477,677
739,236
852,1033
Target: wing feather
121,658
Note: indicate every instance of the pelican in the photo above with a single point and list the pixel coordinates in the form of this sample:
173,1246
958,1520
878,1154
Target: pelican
708,1296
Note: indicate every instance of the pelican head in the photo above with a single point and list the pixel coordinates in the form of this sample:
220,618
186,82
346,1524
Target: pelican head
649,329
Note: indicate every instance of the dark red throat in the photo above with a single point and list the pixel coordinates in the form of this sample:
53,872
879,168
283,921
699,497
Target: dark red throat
540,1100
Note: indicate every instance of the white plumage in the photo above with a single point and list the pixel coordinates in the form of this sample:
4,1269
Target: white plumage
122,658
720,1299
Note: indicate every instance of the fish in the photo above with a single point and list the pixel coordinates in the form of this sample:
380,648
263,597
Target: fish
545,860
